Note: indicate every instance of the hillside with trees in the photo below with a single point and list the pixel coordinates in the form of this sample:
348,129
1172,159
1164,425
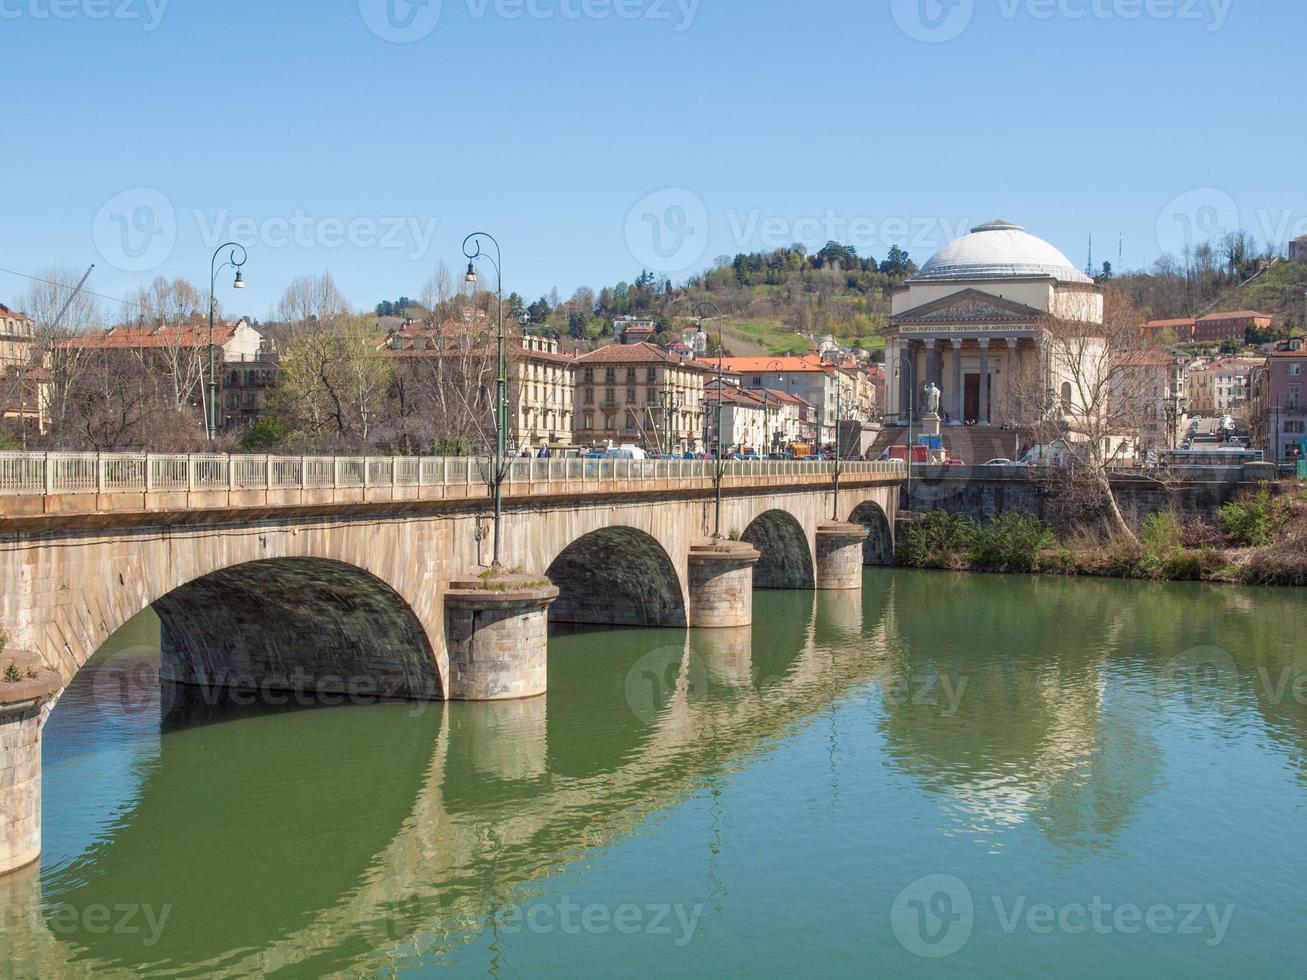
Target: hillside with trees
1227,274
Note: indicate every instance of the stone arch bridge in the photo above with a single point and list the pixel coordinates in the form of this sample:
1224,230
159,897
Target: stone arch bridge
368,576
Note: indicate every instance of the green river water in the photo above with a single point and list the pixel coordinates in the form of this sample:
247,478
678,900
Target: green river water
954,776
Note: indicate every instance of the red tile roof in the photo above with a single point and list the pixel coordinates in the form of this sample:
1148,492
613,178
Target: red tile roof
641,353
1235,315
143,338
776,365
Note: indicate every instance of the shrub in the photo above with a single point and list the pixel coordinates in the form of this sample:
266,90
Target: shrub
1285,561
265,434
1011,543
1250,521
452,446
936,539
12,674
1160,533
1193,566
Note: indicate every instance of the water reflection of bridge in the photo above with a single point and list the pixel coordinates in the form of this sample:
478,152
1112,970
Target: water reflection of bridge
477,805
501,794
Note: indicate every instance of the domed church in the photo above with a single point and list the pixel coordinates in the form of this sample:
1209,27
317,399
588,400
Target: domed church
969,322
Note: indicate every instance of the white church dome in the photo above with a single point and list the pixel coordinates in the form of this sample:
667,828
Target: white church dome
998,250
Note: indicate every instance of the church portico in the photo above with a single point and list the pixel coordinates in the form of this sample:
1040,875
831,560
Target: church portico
971,371
970,323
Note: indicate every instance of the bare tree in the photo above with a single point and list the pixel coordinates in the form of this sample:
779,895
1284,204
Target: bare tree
46,297
174,312
334,384
311,300
1091,391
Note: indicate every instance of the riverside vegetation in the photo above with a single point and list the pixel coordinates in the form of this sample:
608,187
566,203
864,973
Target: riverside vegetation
1259,539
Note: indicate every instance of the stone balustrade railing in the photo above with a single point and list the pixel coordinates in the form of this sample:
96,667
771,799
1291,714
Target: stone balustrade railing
51,474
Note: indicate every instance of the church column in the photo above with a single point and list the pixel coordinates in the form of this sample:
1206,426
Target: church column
906,378
959,401
984,382
1010,409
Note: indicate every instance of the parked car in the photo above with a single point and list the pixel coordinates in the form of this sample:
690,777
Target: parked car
999,462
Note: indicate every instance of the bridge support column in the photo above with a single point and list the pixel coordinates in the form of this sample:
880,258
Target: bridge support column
721,584
21,701
497,635
839,556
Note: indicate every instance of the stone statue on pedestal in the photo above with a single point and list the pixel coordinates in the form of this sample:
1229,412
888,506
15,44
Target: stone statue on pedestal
931,398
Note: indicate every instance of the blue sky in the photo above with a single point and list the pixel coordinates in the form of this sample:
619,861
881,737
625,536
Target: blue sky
594,137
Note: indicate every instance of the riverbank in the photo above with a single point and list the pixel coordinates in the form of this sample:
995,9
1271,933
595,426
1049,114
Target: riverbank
1258,539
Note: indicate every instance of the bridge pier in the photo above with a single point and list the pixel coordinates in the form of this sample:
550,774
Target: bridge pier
840,556
721,584
497,637
21,704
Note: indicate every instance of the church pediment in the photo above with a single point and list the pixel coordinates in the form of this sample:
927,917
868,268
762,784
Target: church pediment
970,306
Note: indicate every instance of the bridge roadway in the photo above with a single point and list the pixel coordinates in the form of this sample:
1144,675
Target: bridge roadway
365,576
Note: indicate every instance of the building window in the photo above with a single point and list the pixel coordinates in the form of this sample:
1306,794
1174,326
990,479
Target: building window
610,396
651,375
610,421
589,375
589,396
1295,370
630,396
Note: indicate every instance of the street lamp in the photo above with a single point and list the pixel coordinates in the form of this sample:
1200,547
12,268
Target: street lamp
472,250
766,402
701,312
904,361
839,456
214,269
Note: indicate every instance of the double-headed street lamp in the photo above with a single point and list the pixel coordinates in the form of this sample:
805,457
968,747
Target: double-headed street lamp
214,269
905,361
839,424
472,251
701,312
766,403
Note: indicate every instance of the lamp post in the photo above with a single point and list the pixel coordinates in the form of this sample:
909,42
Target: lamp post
839,455
472,250
214,269
904,361
766,404
701,312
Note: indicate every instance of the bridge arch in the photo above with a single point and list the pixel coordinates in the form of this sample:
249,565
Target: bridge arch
879,549
786,554
617,576
296,624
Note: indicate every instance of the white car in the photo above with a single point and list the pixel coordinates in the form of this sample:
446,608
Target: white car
1001,462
